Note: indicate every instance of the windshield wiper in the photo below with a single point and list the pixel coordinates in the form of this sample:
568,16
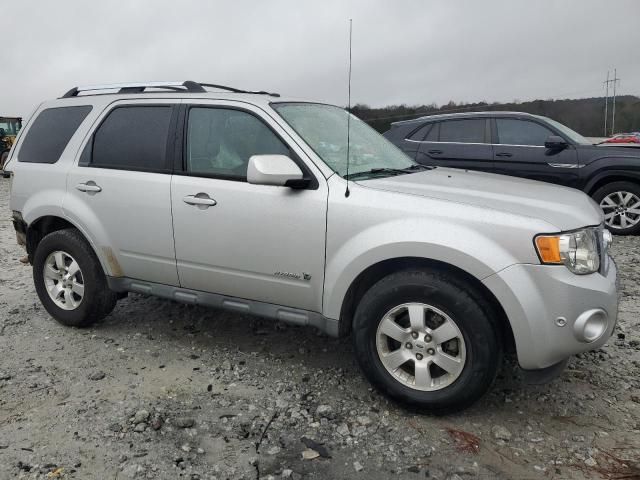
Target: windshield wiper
376,171
388,171
418,166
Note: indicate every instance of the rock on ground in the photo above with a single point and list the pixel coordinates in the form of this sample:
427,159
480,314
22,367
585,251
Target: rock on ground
195,393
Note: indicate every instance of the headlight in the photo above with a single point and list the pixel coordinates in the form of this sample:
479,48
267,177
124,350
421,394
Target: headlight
578,251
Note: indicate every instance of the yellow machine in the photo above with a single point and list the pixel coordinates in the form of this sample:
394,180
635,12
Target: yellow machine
9,128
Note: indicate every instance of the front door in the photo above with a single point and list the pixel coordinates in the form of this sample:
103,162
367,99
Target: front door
120,191
256,242
461,143
519,151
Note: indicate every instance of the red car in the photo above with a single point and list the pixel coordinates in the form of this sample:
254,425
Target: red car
624,138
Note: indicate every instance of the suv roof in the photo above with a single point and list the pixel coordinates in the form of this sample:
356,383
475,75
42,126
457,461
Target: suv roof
169,89
446,116
187,86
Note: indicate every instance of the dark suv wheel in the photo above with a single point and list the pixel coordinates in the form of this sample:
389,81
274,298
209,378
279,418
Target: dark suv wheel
424,339
620,202
69,279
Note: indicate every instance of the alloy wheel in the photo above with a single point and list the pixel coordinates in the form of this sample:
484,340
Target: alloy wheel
421,346
63,280
621,210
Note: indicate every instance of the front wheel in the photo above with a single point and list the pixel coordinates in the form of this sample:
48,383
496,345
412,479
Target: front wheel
69,279
424,338
620,202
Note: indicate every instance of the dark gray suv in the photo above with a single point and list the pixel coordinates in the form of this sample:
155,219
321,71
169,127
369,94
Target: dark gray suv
529,146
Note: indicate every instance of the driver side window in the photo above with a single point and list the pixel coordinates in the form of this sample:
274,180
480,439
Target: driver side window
521,132
220,142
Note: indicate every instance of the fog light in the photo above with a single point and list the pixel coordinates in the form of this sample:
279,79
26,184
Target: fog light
590,325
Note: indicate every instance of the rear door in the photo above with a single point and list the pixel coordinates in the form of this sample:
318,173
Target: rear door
519,151
461,143
119,192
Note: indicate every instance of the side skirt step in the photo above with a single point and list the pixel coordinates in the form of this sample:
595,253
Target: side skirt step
289,315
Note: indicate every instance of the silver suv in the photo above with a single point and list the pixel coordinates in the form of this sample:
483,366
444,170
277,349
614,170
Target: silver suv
245,201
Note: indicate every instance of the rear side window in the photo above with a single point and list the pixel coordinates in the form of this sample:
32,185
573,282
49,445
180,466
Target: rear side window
133,138
432,136
463,131
419,134
521,132
50,133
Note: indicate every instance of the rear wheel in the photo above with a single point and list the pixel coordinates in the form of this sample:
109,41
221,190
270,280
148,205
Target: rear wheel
69,279
423,338
620,202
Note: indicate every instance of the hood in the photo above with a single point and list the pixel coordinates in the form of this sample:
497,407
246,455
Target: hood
563,207
622,149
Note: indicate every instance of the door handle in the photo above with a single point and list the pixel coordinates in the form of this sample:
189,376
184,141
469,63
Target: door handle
200,199
89,187
435,152
504,154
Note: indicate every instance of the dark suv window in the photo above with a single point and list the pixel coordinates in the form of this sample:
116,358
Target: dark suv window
221,141
521,132
133,138
462,131
419,134
50,133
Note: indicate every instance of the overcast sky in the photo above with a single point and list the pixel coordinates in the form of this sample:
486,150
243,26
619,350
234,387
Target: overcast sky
404,51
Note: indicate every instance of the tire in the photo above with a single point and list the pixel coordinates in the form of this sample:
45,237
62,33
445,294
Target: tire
622,201
3,159
478,354
70,308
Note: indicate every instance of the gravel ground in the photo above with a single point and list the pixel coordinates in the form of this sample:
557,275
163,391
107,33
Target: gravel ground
168,391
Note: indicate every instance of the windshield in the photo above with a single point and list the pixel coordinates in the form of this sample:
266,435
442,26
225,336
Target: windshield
324,128
10,127
566,131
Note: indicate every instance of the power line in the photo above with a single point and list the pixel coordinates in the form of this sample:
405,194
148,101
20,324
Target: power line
615,80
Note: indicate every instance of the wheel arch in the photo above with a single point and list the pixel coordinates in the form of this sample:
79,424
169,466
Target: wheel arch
601,180
367,278
46,224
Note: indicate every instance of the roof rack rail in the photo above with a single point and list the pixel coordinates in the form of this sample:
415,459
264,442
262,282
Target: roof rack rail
140,87
137,87
237,90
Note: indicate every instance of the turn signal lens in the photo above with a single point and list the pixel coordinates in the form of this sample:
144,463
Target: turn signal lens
549,249
577,250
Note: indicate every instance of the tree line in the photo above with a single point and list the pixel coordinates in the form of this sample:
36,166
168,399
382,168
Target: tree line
585,115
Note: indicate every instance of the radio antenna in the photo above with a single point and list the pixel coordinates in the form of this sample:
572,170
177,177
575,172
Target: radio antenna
347,193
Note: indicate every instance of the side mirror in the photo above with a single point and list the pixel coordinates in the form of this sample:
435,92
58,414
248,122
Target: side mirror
278,170
555,142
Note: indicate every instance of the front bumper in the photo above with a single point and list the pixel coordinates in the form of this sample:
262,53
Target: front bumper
547,307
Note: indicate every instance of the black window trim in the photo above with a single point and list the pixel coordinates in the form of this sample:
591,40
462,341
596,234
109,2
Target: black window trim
180,158
170,148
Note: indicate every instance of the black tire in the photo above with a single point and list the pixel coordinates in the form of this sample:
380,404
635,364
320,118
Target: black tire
98,300
613,187
468,311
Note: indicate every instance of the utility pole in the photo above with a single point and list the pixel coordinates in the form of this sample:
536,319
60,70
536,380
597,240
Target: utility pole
613,81
613,120
606,103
